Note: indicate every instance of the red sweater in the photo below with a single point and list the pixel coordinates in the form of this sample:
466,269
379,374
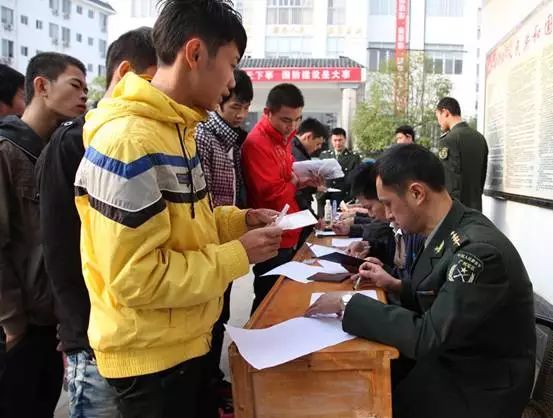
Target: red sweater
267,164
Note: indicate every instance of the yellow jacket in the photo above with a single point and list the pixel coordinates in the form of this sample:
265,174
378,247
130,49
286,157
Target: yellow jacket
156,258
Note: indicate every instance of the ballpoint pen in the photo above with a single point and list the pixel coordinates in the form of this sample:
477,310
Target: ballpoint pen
282,213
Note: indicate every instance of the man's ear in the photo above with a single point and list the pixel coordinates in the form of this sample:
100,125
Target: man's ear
418,192
123,68
192,51
41,86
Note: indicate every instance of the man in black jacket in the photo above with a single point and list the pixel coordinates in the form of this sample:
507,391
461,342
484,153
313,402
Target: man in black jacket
55,90
89,393
467,314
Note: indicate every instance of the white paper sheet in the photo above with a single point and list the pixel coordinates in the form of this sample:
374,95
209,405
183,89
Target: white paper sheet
287,341
297,220
344,242
369,293
331,268
296,271
328,169
319,233
333,190
320,250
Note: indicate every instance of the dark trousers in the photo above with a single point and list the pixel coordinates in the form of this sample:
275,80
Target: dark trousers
32,377
263,285
217,337
179,392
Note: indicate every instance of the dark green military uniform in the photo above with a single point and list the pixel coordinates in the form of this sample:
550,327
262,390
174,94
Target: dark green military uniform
464,154
466,317
348,160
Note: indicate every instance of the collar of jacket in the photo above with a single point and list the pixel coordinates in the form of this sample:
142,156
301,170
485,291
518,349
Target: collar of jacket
461,124
226,136
21,135
297,143
272,133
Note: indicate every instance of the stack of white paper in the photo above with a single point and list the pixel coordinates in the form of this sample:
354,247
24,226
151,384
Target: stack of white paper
297,220
344,242
287,341
319,233
320,250
296,271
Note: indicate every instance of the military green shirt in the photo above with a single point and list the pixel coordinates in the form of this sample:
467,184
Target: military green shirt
464,154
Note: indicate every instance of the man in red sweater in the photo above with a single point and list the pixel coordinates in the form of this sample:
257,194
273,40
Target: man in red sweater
267,163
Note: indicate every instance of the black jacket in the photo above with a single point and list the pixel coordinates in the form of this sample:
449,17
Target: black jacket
467,318
25,295
304,197
61,231
464,154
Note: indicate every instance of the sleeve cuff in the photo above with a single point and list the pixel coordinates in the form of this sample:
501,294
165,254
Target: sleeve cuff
235,259
356,231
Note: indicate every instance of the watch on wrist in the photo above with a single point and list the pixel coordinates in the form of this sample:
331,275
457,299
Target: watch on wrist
345,300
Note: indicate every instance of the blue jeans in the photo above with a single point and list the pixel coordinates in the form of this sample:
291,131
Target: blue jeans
90,395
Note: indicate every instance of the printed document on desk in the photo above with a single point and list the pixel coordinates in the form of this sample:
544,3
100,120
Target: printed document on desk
296,271
344,242
287,341
320,250
369,293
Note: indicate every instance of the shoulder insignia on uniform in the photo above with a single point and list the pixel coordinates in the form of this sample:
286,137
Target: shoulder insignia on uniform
443,153
457,239
465,268
439,248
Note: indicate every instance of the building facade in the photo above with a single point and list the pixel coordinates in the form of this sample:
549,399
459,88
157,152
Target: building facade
75,27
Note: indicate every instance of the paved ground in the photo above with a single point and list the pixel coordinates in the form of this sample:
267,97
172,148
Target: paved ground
240,305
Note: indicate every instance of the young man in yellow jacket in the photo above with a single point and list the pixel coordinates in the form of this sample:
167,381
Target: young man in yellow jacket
156,256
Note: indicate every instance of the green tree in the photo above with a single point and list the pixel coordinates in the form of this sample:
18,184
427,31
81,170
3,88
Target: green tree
376,120
97,89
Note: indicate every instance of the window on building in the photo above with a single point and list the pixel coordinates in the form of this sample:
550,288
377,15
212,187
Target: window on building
90,41
79,37
24,51
289,12
143,8
101,71
7,16
102,47
444,59
103,22
39,24
380,54
80,10
54,32
292,46
89,68
382,7
7,48
24,20
335,46
66,7
55,5
91,13
65,36
336,12
450,8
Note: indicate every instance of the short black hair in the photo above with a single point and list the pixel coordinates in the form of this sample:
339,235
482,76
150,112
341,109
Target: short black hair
10,81
406,130
135,46
339,131
243,90
404,163
284,94
314,126
364,181
49,65
213,21
450,104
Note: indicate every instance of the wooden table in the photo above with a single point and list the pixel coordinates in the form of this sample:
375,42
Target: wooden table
351,379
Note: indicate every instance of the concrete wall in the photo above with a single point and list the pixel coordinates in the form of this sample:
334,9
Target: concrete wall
529,227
